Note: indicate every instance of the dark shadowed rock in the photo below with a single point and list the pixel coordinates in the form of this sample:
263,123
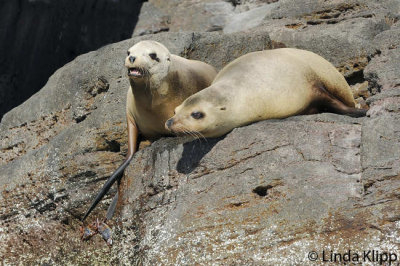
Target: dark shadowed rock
39,36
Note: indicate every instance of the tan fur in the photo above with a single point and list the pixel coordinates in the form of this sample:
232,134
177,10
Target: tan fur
159,82
264,85
151,100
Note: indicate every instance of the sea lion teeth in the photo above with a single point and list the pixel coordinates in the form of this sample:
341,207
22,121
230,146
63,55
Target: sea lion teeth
169,80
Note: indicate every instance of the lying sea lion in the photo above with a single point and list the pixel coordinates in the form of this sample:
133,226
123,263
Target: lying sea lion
265,85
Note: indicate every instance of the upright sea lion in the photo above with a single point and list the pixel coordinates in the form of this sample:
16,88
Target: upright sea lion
159,81
265,85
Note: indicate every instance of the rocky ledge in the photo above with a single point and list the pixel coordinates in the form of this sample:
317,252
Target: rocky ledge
268,193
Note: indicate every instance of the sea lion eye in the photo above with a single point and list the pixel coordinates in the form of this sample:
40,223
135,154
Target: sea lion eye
128,52
154,57
197,115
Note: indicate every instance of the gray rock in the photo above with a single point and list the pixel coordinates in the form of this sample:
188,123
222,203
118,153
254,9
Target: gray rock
334,11
384,69
249,19
246,5
272,192
182,15
190,15
383,73
353,37
384,103
218,49
267,193
323,27
57,148
151,20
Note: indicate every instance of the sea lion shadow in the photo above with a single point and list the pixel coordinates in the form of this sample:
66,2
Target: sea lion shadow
193,152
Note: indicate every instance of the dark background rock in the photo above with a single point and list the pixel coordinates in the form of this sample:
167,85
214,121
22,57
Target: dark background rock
38,37
267,193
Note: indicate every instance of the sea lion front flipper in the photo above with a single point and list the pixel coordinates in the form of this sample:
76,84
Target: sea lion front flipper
132,147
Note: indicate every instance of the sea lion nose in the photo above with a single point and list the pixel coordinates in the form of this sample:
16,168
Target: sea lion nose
169,123
132,59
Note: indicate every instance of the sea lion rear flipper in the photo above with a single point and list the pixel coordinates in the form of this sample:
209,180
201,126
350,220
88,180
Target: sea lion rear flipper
132,147
111,208
327,102
336,106
106,187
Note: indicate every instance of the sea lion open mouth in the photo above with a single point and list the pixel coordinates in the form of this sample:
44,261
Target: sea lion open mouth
135,72
150,79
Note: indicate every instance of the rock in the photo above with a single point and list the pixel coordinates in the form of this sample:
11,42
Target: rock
151,20
246,5
317,26
361,90
361,93
263,195
382,73
354,26
58,147
384,103
384,68
186,15
249,19
219,50
211,15
267,193
38,37
324,26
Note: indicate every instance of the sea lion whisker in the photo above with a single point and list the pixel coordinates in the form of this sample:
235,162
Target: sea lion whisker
312,80
195,133
187,132
198,132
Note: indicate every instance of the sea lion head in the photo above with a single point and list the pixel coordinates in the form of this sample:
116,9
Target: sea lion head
203,114
148,60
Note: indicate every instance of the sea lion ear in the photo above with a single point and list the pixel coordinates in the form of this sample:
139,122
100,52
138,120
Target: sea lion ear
168,59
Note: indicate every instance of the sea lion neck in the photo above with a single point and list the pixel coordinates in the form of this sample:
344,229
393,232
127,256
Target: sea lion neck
141,90
146,97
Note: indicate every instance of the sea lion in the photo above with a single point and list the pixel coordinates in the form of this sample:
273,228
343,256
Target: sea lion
159,81
265,85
